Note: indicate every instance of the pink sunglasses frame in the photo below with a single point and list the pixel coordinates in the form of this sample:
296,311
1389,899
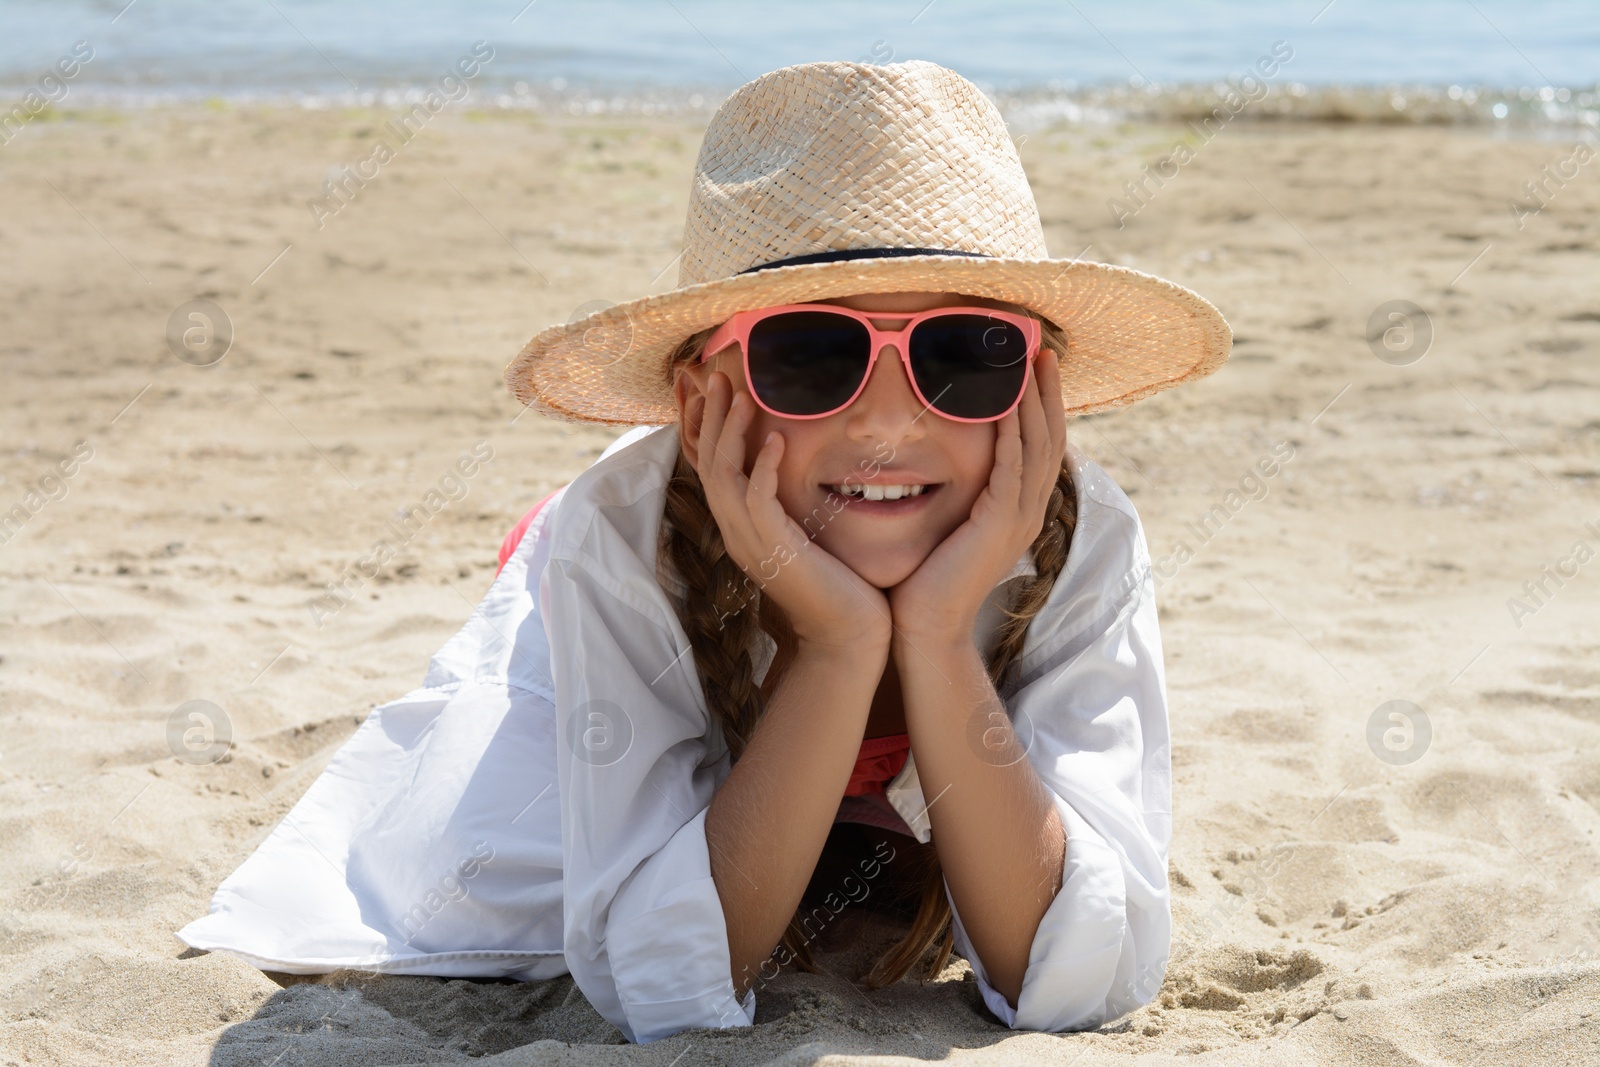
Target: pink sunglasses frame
737,331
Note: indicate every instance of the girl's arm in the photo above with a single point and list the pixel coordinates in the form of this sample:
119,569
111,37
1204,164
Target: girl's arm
1082,864
770,818
999,836
1091,708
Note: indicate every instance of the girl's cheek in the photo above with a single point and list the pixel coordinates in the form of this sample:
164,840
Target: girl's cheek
977,457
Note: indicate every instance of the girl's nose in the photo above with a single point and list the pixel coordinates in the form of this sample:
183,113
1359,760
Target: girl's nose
888,407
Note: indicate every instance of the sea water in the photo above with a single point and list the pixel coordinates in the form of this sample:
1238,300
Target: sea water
1475,61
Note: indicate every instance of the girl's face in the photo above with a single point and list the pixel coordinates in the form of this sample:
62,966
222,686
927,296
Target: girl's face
886,437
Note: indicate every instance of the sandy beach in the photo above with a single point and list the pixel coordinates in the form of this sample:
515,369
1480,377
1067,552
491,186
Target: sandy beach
1354,880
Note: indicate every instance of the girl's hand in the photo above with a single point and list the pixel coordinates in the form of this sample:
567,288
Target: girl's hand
827,603
938,604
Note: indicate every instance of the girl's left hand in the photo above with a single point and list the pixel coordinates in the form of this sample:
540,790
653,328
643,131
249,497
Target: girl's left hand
939,602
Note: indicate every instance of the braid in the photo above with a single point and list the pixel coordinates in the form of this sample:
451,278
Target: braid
1049,557
721,634
720,631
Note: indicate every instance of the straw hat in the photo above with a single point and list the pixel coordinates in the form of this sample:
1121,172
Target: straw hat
830,179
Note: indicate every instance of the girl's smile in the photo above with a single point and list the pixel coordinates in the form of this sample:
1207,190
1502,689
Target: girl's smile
882,483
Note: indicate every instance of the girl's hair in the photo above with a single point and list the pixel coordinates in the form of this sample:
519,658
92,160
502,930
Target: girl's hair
722,636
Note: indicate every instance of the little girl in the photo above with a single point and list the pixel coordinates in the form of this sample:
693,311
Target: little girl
845,621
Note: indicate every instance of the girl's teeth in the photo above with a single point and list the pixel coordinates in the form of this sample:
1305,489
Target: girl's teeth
878,492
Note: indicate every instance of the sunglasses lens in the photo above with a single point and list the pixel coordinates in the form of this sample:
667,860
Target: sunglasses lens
807,362
969,366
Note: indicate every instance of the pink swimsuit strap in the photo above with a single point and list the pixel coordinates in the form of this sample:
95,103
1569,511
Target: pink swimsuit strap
881,759
514,538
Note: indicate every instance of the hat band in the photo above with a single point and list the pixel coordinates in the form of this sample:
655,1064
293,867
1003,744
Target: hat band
861,253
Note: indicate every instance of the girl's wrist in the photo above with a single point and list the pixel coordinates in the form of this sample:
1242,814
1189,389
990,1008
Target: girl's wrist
855,653
936,643
948,626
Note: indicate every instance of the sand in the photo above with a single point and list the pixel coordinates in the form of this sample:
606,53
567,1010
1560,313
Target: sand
1335,900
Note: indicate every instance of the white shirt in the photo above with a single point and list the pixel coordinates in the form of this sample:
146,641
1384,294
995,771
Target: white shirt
536,808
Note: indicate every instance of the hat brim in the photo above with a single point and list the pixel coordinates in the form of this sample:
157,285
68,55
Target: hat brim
1129,334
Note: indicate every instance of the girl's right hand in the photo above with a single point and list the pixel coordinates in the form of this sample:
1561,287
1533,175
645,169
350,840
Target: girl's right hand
827,603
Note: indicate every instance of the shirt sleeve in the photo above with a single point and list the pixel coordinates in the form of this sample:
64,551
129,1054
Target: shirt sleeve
644,933
1094,719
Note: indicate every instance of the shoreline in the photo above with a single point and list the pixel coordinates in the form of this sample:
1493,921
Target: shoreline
1283,100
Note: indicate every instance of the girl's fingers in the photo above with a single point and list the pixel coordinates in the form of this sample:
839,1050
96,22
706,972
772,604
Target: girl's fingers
724,453
730,443
721,458
1037,440
763,514
776,544
1055,417
1030,413
761,495
1054,406
753,522
711,421
774,526
1006,479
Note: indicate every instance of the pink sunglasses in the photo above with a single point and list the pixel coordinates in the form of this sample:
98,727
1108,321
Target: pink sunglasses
809,361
